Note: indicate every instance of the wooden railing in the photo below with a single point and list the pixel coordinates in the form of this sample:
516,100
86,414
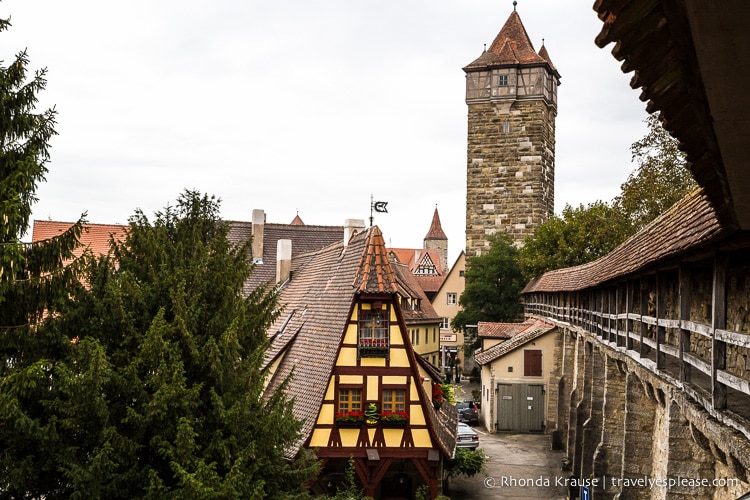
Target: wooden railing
709,361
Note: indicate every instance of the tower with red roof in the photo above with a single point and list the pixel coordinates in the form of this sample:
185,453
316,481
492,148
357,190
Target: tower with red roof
511,92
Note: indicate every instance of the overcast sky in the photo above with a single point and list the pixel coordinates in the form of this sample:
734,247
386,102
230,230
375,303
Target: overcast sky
303,107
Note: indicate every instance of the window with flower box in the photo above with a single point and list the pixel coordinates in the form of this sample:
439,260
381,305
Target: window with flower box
374,333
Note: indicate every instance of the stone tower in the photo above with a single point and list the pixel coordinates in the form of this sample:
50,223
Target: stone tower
437,240
511,92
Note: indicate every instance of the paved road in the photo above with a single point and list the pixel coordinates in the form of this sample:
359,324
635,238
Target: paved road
518,466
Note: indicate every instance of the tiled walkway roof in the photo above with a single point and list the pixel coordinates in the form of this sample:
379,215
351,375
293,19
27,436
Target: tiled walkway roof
688,224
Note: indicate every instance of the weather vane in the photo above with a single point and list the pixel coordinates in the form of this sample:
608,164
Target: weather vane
377,206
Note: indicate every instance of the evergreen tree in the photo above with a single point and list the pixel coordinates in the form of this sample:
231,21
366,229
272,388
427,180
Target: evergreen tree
167,389
33,285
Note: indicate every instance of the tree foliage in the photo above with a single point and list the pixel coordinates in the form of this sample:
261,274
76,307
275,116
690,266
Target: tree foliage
466,463
660,180
160,395
578,236
585,233
34,284
493,285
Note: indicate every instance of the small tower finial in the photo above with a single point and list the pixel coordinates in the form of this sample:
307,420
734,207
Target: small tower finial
514,5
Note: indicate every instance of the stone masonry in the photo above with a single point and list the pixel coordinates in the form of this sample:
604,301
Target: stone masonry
511,92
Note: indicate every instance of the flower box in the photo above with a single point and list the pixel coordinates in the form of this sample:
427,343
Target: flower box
394,418
349,419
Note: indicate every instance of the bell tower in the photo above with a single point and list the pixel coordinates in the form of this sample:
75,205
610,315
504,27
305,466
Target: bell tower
511,92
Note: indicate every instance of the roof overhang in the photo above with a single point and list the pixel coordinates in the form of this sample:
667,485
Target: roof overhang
689,60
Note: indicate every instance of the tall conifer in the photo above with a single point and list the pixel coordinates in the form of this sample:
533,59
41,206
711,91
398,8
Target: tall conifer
175,352
33,285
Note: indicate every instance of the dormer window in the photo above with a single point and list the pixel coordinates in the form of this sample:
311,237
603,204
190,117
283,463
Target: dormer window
374,331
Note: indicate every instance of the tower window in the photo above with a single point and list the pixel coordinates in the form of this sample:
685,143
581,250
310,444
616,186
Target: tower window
502,80
506,127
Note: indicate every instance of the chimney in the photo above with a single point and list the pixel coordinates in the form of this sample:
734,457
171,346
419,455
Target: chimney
352,227
259,219
283,260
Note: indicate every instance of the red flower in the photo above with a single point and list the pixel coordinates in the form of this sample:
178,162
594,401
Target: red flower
391,416
350,416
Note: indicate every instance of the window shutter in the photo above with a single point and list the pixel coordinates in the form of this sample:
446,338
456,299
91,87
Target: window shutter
532,363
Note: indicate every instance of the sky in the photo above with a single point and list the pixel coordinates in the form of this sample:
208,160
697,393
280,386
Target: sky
299,107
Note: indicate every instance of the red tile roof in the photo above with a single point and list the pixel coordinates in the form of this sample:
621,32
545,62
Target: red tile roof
523,333
511,47
413,257
436,229
410,287
95,237
492,330
374,274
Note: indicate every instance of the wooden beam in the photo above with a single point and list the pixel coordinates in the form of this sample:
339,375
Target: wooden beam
661,292
719,322
684,315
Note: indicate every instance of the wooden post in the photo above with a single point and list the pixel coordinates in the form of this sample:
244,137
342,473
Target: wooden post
719,322
684,315
628,310
642,348
660,314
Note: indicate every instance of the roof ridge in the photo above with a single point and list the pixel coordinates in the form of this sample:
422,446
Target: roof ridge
374,273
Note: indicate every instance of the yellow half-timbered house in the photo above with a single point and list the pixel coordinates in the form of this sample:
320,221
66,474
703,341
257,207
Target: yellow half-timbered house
362,392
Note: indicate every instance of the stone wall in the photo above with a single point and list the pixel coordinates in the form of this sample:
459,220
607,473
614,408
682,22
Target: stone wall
510,169
640,436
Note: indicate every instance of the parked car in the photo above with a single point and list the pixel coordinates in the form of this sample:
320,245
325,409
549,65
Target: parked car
466,437
467,412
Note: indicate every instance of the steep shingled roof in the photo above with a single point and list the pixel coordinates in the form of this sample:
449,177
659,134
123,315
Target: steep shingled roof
511,47
436,229
424,313
305,238
374,274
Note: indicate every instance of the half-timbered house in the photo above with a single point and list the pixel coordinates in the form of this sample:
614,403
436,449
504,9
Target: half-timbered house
364,396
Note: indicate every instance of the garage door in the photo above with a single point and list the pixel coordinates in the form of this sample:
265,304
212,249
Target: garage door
520,407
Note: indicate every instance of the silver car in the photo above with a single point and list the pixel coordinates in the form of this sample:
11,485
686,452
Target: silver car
466,437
